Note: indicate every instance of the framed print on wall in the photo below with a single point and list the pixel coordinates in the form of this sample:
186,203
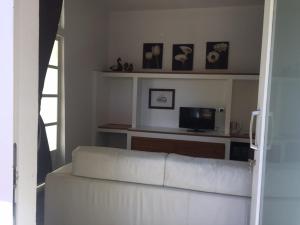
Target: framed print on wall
161,98
153,55
217,55
183,57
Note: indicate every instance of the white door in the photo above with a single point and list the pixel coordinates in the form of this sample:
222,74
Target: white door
25,92
18,109
6,113
276,180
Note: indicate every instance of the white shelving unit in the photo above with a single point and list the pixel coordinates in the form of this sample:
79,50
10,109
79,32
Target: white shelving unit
119,97
184,76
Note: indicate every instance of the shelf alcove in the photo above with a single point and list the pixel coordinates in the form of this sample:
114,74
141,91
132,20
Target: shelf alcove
121,104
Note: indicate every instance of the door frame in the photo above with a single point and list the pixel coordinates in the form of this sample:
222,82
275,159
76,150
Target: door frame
6,113
262,122
26,46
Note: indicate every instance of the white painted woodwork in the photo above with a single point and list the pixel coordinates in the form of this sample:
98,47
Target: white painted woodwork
26,36
184,76
6,112
263,96
122,98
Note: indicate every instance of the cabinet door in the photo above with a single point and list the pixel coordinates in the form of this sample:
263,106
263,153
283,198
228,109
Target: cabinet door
200,149
152,144
189,148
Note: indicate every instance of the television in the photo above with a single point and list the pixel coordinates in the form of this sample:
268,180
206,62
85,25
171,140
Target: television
197,119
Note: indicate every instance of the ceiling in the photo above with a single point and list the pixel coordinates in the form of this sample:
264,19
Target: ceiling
125,5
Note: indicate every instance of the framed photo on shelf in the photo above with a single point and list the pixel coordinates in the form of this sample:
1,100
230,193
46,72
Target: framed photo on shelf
161,98
183,56
217,55
153,55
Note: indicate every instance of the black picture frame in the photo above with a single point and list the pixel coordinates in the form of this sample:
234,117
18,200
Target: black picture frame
183,57
217,54
162,93
153,55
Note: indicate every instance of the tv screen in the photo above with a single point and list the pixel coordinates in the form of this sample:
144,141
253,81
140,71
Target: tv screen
197,118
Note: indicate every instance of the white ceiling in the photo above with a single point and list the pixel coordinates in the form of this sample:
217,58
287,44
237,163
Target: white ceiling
124,5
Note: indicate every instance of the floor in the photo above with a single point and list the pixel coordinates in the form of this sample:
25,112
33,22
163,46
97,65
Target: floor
40,197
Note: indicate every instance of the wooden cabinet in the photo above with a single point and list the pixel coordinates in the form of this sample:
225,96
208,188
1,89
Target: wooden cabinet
189,148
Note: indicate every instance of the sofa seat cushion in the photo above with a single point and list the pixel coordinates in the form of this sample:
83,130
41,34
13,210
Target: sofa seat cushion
120,165
209,175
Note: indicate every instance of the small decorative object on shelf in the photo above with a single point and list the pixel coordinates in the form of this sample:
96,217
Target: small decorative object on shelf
128,67
183,56
161,98
119,67
152,56
217,55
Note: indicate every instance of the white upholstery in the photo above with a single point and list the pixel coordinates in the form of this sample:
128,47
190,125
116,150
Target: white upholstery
210,175
121,165
72,200
74,196
66,169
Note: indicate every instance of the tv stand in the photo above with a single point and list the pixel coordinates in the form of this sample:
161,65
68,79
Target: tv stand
211,144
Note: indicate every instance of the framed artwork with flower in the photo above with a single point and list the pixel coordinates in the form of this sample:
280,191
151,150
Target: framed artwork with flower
217,55
183,57
153,55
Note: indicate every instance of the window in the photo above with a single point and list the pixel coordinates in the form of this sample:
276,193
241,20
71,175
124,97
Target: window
52,102
51,96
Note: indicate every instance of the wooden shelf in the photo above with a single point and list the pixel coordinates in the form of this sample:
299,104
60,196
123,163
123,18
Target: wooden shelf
125,128
178,131
175,75
114,128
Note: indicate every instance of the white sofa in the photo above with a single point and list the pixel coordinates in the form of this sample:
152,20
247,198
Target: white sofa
106,186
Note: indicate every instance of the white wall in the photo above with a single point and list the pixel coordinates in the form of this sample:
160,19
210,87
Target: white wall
244,101
188,93
119,5
94,39
119,101
85,41
241,26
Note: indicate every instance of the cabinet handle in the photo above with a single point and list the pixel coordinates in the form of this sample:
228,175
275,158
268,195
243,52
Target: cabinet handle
253,146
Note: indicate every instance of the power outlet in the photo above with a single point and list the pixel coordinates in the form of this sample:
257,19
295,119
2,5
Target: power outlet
220,110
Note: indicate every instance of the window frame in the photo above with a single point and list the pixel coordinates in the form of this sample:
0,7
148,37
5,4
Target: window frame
59,69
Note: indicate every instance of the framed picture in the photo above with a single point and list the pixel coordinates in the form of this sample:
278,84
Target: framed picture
161,98
183,57
153,55
217,55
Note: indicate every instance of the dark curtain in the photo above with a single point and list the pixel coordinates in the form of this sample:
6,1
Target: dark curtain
49,16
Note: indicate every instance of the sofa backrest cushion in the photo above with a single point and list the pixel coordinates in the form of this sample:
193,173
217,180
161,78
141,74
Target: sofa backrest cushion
120,165
210,175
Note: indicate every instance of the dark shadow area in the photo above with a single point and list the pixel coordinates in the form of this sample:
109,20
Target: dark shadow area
40,200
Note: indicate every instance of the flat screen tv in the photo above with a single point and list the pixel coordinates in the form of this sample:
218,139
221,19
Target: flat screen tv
197,119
